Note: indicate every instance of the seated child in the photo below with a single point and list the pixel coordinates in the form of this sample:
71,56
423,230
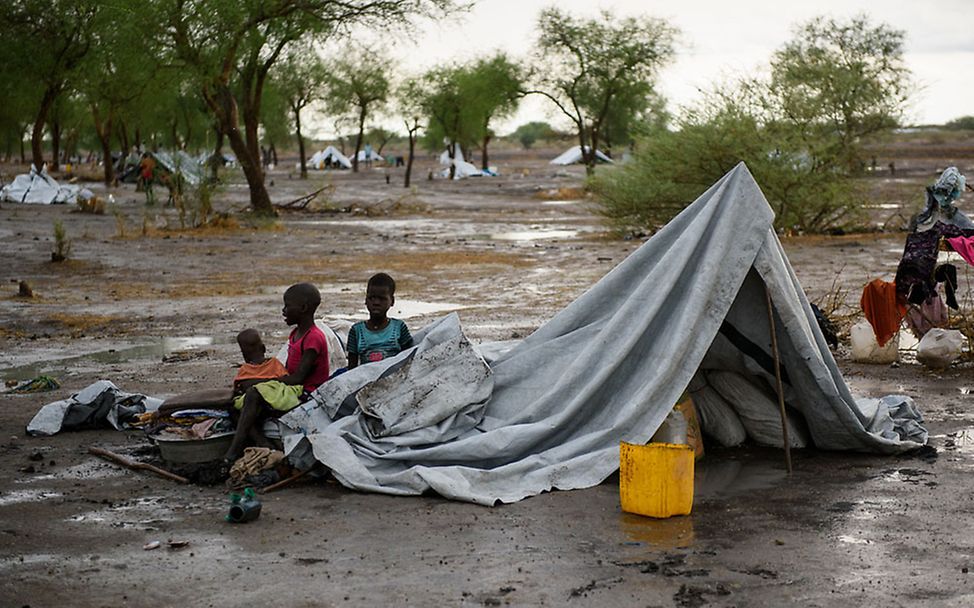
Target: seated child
380,337
307,368
256,368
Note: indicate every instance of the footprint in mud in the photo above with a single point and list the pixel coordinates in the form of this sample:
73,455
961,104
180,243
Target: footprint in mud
592,586
762,572
668,566
692,596
912,476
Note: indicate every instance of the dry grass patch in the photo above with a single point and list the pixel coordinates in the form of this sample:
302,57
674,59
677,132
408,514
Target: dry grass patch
561,194
77,324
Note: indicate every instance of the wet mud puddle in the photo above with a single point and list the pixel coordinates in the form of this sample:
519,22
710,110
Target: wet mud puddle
157,349
718,478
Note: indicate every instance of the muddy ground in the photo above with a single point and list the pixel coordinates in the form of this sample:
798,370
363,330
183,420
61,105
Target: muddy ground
506,253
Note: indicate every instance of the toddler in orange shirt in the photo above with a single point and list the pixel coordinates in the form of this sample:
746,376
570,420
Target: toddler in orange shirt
257,367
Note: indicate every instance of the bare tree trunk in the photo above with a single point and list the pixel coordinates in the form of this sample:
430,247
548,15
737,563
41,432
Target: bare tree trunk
358,138
412,151
103,129
123,137
106,149
216,160
37,134
71,146
383,142
23,152
224,107
483,153
174,134
55,144
452,153
297,130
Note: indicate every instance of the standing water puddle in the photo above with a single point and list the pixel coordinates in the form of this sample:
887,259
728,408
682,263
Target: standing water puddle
154,350
961,441
18,496
717,478
534,235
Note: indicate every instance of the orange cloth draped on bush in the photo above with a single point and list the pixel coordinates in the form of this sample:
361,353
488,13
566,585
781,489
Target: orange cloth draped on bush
883,309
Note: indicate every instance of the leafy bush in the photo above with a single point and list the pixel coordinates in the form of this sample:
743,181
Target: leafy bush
964,122
800,132
671,168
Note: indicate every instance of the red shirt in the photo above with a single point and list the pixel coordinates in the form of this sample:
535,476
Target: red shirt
313,340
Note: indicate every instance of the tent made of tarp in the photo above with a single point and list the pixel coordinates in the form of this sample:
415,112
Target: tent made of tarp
573,156
362,156
38,188
688,306
180,162
330,157
463,168
192,169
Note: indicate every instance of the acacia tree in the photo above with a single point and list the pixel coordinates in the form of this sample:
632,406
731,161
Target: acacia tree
439,94
588,65
461,101
490,88
51,39
301,79
411,97
360,80
230,47
839,82
114,75
799,133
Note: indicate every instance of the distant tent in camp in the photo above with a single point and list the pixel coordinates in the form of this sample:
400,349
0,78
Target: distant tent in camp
180,162
190,168
464,169
573,156
37,188
362,157
328,158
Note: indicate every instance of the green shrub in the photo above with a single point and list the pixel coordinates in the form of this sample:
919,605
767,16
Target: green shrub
62,244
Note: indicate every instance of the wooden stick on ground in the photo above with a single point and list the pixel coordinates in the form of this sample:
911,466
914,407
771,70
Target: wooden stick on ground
777,377
285,482
135,466
302,201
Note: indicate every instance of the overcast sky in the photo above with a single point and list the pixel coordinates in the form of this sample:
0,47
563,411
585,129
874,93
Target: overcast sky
722,38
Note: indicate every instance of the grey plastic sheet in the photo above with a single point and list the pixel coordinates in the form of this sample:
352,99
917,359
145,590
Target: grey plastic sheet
99,405
608,368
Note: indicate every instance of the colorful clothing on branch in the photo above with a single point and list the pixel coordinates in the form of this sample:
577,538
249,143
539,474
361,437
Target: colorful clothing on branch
932,313
915,274
964,246
883,309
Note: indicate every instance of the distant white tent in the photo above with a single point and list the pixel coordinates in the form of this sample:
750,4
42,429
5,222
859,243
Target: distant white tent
464,169
329,157
37,188
573,155
362,157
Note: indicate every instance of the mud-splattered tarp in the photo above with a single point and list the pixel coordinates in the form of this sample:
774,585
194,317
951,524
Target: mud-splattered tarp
607,368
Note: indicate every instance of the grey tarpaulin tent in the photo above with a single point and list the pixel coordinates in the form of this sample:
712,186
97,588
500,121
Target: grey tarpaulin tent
607,368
